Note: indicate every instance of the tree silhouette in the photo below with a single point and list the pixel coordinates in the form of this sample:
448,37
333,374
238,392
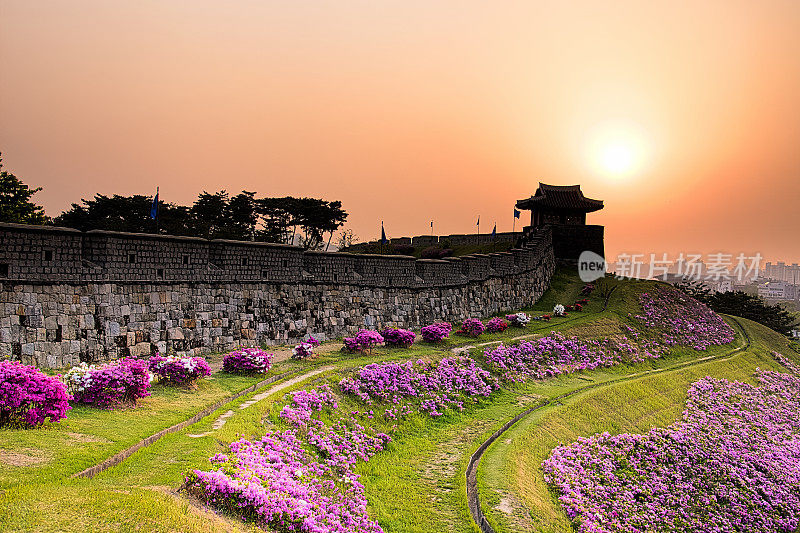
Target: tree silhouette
15,200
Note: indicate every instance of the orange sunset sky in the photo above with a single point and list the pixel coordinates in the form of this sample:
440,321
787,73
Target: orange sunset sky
683,116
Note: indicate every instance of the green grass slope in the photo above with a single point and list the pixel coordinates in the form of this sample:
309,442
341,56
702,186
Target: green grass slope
416,485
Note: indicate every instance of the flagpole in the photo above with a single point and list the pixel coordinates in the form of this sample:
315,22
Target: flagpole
157,229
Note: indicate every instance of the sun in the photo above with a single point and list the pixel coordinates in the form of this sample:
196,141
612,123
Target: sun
617,149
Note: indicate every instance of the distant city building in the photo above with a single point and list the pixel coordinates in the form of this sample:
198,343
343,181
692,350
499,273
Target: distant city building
780,271
777,290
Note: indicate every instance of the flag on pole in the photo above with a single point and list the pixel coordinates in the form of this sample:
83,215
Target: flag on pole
494,231
479,221
516,213
431,224
154,207
383,234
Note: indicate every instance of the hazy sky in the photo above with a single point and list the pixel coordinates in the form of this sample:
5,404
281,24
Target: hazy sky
683,116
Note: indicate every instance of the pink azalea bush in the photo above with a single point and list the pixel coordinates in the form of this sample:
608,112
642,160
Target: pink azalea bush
431,386
304,350
29,397
111,384
496,325
472,327
177,370
683,320
364,340
436,332
247,361
732,462
556,354
401,338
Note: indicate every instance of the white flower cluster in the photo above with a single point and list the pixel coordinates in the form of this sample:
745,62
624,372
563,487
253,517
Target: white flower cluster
303,349
521,319
186,362
79,377
558,310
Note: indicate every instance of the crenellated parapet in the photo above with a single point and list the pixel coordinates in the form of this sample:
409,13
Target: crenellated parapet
45,254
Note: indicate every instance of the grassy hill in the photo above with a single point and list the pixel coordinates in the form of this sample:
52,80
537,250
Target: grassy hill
417,484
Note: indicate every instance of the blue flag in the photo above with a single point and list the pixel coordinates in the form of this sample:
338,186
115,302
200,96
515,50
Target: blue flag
494,231
154,207
516,213
383,234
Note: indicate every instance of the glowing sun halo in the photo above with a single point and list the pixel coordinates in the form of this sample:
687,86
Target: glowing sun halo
617,150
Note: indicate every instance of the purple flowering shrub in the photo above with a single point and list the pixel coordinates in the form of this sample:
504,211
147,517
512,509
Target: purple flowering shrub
436,332
683,320
472,327
496,325
433,386
116,383
556,354
364,340
247,361
732,461
28,397
181,371
343,443
401,338
274,482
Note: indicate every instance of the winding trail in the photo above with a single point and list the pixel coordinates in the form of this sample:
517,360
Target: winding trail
219,422
473,498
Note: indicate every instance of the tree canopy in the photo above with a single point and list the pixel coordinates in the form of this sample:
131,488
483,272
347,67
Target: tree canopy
214,216
745,305
15,200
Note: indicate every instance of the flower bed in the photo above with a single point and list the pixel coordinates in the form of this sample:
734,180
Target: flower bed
274,482
431,387
472,327
247,361
401,338
28,397
683,320
120,382
519,320
733,461
363,341
556,354
176,370
496,325
436,332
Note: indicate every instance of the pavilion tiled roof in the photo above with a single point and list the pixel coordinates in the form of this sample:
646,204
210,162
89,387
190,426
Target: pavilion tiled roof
566,197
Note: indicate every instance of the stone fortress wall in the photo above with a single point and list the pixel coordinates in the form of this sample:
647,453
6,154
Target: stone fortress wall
68,296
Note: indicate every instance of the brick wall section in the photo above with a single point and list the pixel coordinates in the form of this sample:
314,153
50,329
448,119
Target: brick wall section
89,300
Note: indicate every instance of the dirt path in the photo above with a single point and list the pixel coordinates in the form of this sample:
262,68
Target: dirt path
223,418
